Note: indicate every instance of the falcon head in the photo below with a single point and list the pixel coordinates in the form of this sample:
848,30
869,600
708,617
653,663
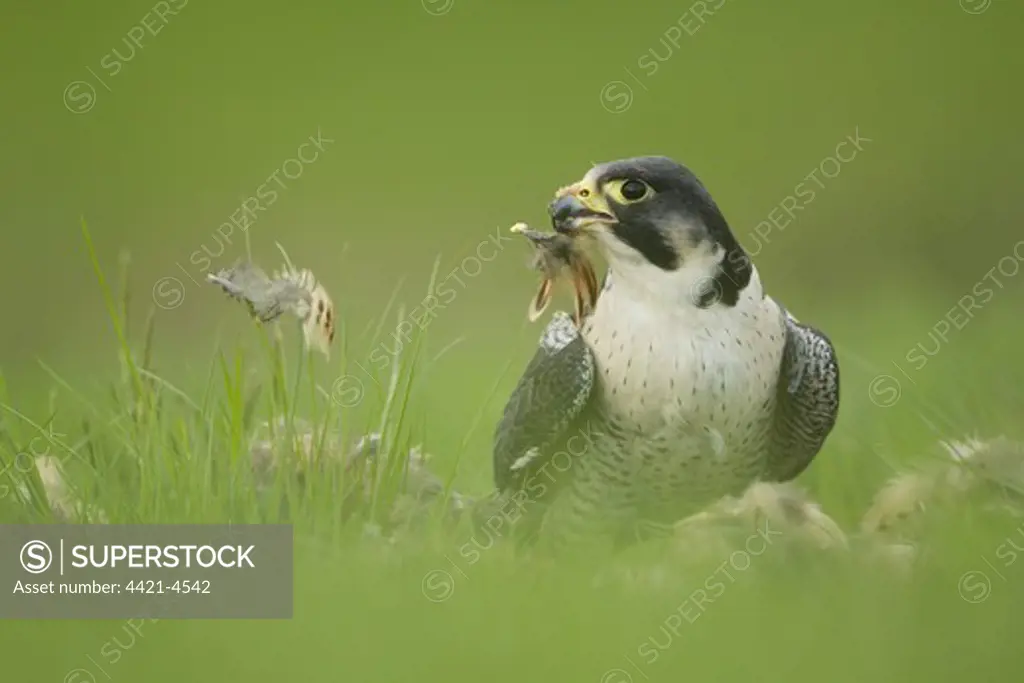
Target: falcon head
658,228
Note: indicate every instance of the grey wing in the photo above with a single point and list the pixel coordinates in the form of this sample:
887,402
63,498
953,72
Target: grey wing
807,401
552,394
265,298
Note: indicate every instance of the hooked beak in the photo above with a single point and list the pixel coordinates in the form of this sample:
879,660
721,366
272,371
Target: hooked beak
572,213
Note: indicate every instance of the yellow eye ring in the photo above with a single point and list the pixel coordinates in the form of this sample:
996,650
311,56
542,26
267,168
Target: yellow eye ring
629,191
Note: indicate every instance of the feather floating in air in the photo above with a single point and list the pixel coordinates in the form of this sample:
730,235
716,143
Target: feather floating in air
288,290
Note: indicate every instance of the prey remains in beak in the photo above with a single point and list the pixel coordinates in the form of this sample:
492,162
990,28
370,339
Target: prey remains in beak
555,254
576,208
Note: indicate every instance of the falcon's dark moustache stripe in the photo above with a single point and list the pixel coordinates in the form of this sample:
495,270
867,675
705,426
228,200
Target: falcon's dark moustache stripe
647,239
732,275
735,270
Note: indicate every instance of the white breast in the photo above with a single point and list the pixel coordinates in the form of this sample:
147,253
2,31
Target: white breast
687,388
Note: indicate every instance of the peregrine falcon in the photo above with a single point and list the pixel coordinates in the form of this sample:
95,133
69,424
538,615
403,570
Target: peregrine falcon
686,382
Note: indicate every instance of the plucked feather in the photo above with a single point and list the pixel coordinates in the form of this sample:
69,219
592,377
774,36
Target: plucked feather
288,290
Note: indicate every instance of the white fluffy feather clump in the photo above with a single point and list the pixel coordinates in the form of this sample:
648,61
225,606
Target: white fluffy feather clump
989,473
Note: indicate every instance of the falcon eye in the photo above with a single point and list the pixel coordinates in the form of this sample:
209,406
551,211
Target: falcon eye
627,190
633,190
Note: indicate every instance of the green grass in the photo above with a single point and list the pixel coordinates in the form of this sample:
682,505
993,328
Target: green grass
447,128
154,449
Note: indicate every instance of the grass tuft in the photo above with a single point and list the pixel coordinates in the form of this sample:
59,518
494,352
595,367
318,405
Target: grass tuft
259,437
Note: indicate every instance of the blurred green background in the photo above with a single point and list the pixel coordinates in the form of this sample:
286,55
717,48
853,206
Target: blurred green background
450,120
448,127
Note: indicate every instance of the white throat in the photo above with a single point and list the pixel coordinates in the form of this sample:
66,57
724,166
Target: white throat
665,363
678,291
